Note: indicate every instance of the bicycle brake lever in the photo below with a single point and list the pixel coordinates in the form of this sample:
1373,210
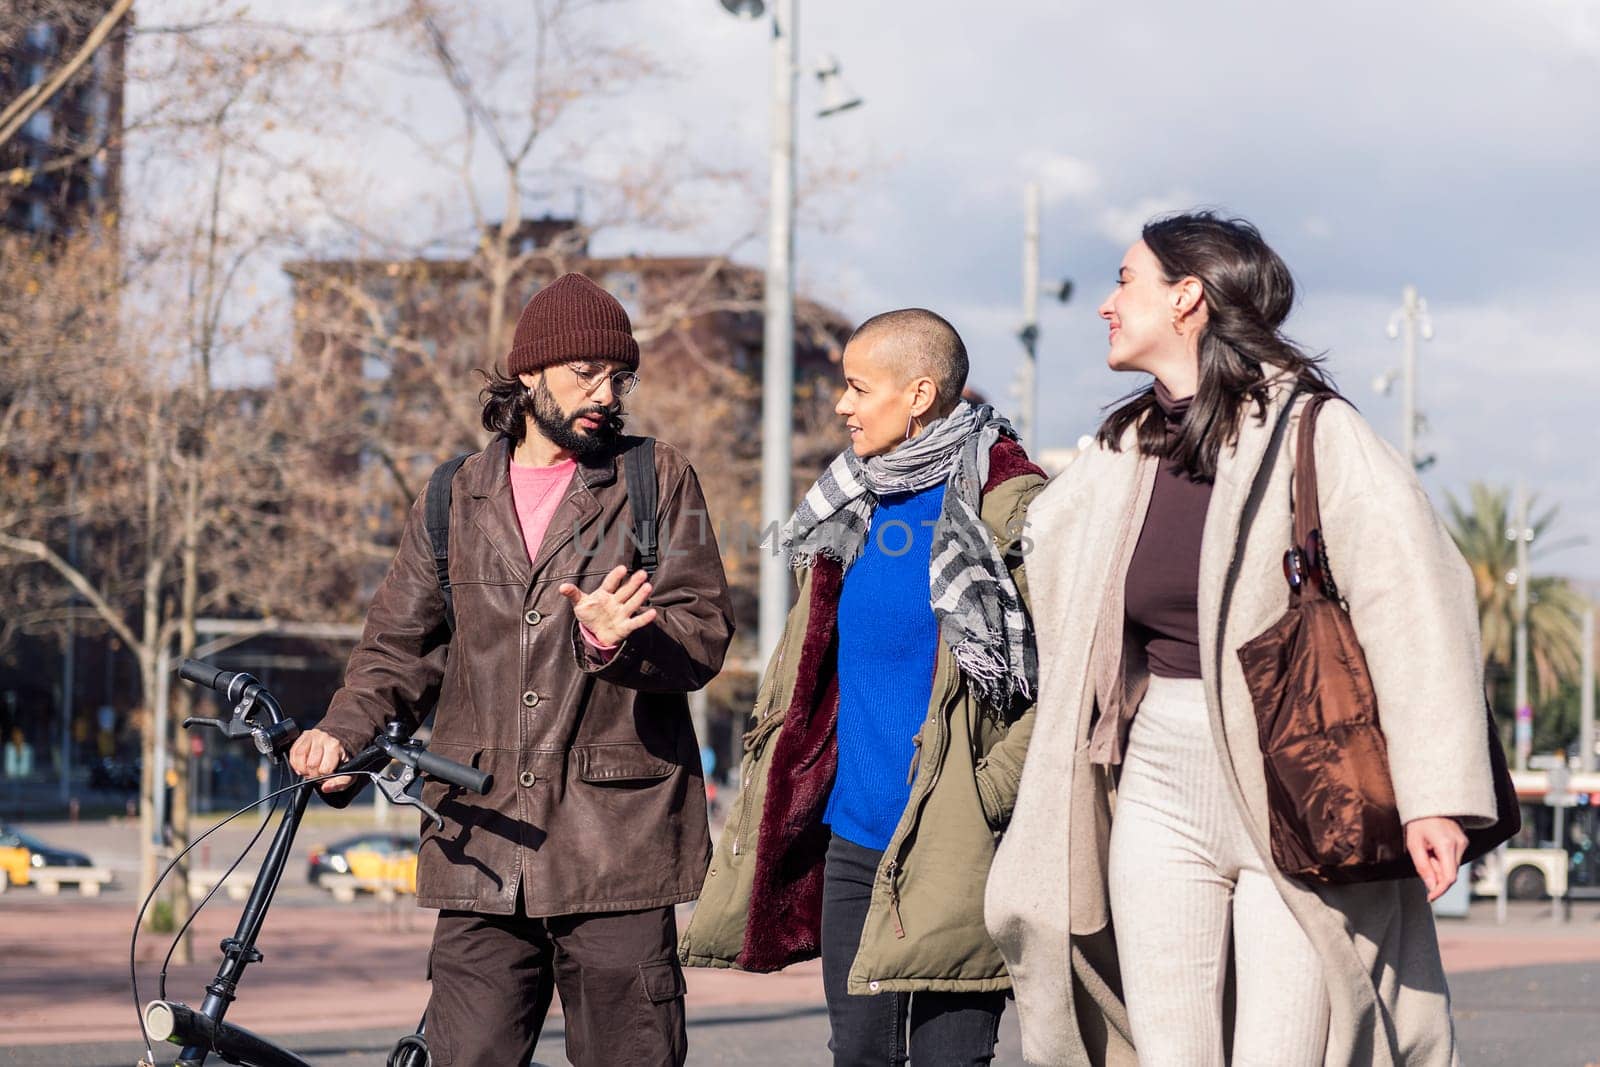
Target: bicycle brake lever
395,788
232,729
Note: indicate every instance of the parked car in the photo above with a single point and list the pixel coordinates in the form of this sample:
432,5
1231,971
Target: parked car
21,854
115,775
353,855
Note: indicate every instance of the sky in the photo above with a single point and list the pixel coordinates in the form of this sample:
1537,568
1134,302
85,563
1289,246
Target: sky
1449,144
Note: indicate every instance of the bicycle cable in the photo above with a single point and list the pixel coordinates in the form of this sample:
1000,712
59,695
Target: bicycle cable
133,941
194,913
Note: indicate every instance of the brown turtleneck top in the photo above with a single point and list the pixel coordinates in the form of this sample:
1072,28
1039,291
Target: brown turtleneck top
1163,583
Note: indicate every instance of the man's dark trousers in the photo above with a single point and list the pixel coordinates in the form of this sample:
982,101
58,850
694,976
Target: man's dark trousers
493,976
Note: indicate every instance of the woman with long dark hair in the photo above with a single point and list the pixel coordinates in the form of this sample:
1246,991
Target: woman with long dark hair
1136,898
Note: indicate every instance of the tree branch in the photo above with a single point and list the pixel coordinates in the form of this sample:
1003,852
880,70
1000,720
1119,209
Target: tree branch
17,113
27,546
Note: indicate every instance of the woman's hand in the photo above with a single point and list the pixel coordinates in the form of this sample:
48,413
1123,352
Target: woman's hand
1436,845
612,612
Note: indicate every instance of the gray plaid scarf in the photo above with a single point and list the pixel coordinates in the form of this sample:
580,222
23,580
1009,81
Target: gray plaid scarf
980,613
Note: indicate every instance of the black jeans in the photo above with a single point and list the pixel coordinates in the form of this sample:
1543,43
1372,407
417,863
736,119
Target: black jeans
945,1029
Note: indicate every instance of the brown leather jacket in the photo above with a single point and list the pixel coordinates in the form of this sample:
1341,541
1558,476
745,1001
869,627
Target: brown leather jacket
598,801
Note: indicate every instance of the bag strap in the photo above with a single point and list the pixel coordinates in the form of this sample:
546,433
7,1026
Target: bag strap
1309,556
639,468
436,517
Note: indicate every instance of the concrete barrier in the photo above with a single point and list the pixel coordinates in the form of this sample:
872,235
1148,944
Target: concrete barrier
89,880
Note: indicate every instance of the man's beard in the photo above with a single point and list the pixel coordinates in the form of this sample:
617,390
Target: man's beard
558,425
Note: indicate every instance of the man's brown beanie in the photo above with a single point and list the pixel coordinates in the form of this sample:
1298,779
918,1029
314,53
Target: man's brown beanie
571,319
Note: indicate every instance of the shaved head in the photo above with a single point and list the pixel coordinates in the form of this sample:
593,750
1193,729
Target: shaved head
918,343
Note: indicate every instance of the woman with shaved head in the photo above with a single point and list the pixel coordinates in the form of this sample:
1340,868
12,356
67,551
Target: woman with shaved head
892,719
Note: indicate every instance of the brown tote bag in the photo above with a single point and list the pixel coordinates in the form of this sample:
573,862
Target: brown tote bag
1331,803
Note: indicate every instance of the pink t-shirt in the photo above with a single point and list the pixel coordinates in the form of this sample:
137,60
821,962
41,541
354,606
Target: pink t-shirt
537,492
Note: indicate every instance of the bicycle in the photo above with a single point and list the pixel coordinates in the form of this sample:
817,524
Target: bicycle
257,716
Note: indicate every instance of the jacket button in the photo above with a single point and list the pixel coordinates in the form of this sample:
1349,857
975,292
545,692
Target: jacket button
872,986
530,699
533,618
526,779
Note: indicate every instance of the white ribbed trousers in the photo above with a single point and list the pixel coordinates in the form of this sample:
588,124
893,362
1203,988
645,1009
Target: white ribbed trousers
1184,876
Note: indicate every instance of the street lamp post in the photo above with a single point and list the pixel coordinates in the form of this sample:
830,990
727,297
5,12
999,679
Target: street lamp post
777,361
1408,321
777,374
1522,535
1028,380
1030,312
1586,737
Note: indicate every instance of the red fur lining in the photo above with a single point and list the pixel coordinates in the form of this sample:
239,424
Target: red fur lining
1007,460
784,924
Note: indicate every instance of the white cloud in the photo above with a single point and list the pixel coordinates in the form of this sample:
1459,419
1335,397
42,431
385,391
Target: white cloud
1120,224
1060,177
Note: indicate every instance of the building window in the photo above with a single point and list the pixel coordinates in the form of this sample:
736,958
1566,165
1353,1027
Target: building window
39,218
40,126
42,36
625,286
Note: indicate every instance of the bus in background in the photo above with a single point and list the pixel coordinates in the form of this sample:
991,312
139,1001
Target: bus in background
1557,851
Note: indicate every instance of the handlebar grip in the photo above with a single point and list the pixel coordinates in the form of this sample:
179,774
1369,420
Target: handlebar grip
201,673
447,770
231,684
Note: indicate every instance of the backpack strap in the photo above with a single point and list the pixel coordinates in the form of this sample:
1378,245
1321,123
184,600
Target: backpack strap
639,466
436,516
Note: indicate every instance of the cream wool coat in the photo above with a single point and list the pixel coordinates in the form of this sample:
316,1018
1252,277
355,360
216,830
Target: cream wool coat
1413,606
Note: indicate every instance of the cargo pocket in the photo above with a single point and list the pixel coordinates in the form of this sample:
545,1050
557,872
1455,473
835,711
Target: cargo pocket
664,1037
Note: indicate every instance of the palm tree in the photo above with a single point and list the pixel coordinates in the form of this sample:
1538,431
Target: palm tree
1554,632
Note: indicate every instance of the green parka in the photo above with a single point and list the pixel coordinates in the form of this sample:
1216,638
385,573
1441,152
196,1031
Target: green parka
761,906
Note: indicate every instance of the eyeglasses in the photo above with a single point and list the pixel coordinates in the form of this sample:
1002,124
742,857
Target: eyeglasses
589,378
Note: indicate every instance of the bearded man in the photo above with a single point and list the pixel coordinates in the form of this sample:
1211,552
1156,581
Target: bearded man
565,677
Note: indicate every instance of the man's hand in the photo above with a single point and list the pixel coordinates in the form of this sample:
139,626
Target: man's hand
317,753
1436,845
613,611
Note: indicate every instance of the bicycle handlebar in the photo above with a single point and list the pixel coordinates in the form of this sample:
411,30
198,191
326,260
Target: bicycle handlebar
457,774
232,684
384,748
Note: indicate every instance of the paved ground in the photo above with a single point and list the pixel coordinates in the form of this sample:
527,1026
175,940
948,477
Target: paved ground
1525,993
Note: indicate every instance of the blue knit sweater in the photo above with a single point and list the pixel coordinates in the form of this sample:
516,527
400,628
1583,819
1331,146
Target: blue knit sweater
888,639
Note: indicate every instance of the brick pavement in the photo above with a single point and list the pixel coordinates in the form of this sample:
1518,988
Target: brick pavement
333,969
327,967
336,967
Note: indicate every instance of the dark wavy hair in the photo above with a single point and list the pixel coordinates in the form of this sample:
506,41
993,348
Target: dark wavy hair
1248,294
506,404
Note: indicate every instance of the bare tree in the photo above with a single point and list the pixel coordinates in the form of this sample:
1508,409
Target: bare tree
389,342
120,435
93,23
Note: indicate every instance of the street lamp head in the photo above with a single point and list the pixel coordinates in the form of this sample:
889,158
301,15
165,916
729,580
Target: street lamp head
836,97
1393,329
745,9
1062,290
